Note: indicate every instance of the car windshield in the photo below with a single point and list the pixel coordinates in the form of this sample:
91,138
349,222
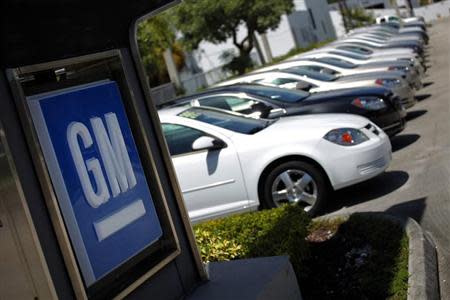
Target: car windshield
231,121
337,62
311,74
279,94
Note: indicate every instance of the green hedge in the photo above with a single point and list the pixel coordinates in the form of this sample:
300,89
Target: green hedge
272,232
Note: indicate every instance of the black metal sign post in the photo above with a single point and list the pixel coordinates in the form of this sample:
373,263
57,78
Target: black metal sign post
90,199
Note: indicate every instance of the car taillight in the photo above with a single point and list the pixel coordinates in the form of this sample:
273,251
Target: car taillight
398,68
369,103
388,82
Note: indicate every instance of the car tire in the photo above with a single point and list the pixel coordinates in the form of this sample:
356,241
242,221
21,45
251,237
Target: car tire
296,182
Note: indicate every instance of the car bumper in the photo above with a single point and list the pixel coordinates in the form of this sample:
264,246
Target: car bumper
395,128
406,95
391,122
347,166
414,78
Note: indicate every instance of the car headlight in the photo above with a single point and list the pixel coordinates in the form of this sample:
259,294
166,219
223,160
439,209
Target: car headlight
369,103
346,136
390,83
399,68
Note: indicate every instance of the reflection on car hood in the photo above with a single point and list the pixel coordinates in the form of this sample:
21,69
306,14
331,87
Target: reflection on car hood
386,64
352,92
316,122
372,75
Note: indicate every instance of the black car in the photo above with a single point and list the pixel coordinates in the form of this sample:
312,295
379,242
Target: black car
375,103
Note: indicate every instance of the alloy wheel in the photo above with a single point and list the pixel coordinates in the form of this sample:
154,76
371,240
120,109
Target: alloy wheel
294,186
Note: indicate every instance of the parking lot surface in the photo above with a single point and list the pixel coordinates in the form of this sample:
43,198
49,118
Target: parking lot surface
417,183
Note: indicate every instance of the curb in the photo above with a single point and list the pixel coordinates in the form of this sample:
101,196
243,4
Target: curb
423,282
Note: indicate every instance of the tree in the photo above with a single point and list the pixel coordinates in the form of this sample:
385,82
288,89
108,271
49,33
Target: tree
154,36
358,17
216,21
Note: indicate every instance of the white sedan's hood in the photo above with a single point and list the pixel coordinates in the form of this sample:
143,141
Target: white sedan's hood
317,125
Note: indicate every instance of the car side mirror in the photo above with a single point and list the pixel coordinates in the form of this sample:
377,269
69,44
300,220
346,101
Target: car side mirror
277,113
262,108
208,143
304,86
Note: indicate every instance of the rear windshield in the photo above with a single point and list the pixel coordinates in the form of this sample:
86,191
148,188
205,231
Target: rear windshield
355,49
278,94
350,55
337,62
234,122
311,74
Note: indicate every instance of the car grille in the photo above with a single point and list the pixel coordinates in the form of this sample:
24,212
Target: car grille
372,166
372,128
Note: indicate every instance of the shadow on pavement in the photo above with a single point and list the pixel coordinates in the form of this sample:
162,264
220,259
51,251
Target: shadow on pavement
423,97
413,209
427,84
377,187
403,140
415,114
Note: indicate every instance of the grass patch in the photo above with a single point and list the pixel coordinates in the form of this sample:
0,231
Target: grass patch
266,233
357,258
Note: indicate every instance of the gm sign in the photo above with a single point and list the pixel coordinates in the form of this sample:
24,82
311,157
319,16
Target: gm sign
97,175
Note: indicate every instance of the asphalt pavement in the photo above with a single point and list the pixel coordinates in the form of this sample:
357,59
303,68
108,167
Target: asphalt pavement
417,183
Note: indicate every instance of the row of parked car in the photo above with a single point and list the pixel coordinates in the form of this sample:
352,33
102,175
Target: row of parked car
296,131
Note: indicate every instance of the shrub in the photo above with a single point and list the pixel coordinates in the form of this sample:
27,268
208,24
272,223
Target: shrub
280,231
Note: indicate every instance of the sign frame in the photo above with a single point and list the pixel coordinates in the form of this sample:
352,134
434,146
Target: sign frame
168,249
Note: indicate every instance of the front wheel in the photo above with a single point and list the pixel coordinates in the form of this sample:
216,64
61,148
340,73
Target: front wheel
296,182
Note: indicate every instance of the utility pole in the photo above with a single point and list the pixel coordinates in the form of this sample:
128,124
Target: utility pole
395,5
344,13
266,47
172,68
411,8
259,50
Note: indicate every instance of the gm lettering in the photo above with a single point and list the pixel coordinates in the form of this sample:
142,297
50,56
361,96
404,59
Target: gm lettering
113,154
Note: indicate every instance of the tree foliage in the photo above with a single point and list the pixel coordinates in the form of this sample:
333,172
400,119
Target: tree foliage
219,20
154,36
358,17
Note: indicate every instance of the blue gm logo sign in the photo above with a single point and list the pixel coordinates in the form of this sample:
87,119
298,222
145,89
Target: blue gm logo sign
97,175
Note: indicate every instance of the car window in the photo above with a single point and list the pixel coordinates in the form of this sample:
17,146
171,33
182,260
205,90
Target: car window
233,103
180,138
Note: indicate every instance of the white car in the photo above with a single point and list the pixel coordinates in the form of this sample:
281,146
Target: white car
288,79
227,163
391,18
373,57
360,60
366,50
314,82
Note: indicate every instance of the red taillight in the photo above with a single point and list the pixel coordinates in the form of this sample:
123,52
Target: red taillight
347,138
391,68
357,102
379,81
